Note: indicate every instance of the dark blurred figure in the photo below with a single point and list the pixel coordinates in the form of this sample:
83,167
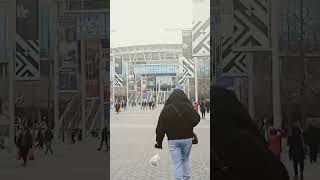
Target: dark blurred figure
208,106
48,136
240,150
312,141
296,145
40,139
24,143
73,136
203,109
117,106
104,138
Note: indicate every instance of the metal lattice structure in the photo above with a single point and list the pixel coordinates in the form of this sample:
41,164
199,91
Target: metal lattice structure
150,53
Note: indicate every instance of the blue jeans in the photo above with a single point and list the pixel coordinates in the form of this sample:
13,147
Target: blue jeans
180,151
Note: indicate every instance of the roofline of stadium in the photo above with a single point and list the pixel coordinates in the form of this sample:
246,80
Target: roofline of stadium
143,45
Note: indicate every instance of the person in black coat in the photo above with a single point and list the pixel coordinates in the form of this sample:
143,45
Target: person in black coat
203,109
24,143
296,145
208,106
104,138
177,120
312,139
48,136
40,139
241,153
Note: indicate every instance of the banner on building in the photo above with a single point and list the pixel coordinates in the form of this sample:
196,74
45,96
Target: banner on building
118,75
131,79
92,88
143,84
201,28
68,46
93,58
93,26
138,80
156,69
186,62
245,26
68,80
27,40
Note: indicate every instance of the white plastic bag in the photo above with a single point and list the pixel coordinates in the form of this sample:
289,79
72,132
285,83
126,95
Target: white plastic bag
154,161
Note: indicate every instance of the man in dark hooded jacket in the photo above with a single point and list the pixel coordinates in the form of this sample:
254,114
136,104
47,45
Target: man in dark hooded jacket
241,153
177,120
24,143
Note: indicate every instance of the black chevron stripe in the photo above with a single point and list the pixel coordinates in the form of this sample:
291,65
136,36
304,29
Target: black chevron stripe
27,73
226,41
253,19
200,45
253,41
246,29
196,25
32,61
34,48
204,26
22,67
30,46
233,64
36,42
227,51
261,5
242,61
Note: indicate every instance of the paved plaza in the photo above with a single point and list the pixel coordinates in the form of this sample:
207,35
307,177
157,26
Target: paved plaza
80,161
132,146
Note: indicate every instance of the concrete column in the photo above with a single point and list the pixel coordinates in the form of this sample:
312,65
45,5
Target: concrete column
54,52
11,67
275,26
83,87
250,84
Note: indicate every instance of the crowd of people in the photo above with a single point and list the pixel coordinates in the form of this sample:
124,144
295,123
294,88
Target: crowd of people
145,104
204,107
26,143
302,142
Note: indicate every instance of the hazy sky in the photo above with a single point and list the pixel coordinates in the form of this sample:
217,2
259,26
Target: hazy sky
138,22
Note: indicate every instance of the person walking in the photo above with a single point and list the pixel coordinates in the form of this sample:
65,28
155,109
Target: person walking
312,141
296,147
40,139
203,109
104,138
48,136
73,136
177,120
196,106
118,108
241,152
25,143
208,106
